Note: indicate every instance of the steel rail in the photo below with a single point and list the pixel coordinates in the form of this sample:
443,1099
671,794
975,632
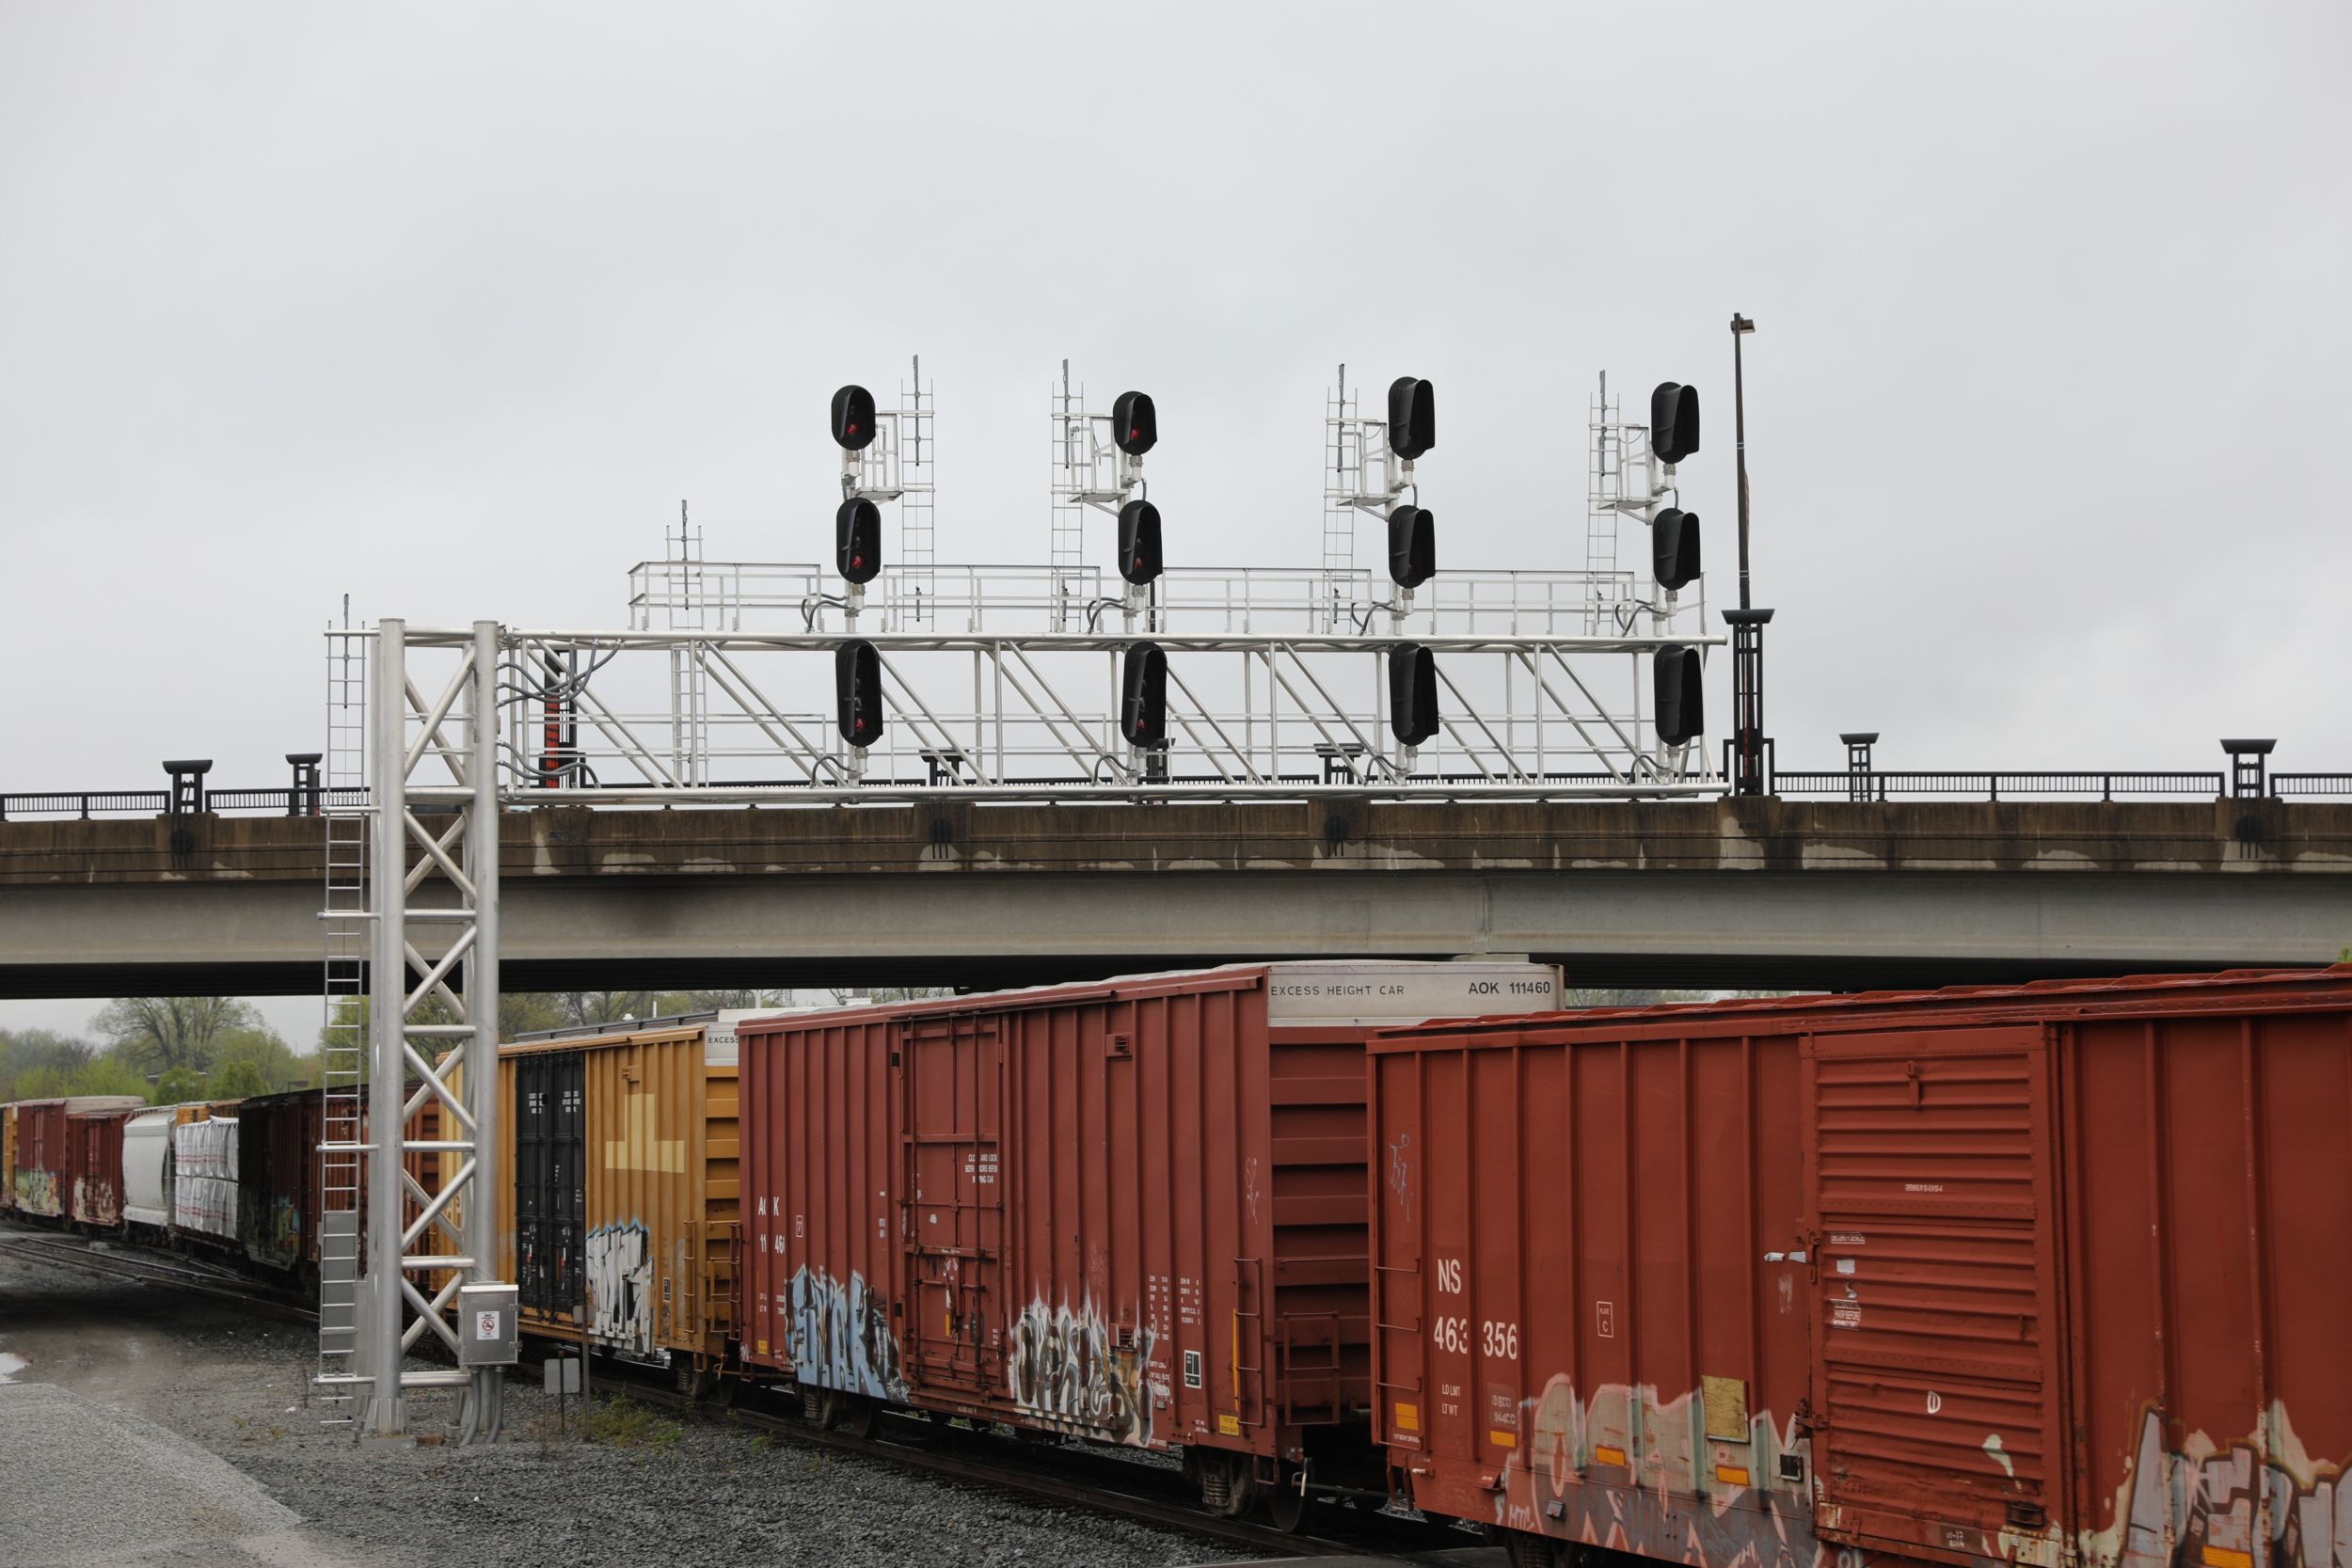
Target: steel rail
1092,1491
61,1251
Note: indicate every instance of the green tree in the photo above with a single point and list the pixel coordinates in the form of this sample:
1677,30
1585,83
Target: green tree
273,1062
704,1001
43,1082
519,1013
108,1074
526,1012
239,1079
347,1020
1601,996
177,1086
159,1032
24,1052
586,1009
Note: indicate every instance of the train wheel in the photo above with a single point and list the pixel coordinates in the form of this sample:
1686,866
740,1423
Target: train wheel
863,1418
1286,1506
1535,1551
1228,1487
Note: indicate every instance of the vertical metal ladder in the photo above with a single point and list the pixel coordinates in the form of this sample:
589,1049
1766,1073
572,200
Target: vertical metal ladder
343,1039
1073,468
915,588
1343,478
1604,490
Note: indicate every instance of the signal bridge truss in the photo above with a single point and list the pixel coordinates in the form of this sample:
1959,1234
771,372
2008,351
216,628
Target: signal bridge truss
723,691
722,688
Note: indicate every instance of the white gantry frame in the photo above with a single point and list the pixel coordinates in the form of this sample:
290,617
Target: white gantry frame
426,1120
447,728
1035,718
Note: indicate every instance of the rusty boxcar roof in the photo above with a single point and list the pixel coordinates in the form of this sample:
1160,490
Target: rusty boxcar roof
1223,978
2317,987
1234,976
609,1038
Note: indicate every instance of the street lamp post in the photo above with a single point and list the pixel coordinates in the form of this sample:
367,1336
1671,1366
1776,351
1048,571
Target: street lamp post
1741,328
1750,764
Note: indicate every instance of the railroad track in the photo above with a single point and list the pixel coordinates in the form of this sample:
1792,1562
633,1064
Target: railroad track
1076,1477
1086,1479
127,1261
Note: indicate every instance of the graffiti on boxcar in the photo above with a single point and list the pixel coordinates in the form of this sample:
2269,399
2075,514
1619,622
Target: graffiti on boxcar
1640,1455
285,1228
1400,1173
1070,1369
96,1202
840,1336
37,1191
620,1286
2209,1503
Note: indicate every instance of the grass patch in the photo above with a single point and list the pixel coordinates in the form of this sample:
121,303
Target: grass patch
623,1423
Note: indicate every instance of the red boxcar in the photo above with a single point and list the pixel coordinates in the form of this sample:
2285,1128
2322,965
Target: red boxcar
277,1179
46,1156
278,1174
93,1177
2051,1274
1131,1212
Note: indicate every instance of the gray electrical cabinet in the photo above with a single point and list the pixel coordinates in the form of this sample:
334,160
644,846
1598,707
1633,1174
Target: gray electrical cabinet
486,1326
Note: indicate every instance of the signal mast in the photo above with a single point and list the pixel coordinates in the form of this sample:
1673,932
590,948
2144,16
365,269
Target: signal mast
1098,465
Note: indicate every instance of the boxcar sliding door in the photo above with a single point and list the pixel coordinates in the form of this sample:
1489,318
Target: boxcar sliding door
1936,1384
950,1089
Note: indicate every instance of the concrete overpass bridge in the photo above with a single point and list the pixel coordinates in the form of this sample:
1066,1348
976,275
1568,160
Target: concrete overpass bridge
1735,891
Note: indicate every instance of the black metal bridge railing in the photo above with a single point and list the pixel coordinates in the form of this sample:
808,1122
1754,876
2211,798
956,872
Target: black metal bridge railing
2247,778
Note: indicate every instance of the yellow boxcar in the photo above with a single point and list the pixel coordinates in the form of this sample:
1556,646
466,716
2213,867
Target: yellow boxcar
619,1210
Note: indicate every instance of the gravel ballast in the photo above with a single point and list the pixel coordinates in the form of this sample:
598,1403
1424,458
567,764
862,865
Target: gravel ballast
657,1490
87,1484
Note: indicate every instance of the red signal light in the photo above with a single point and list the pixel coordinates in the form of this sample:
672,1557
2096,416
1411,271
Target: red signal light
1134,424
853,419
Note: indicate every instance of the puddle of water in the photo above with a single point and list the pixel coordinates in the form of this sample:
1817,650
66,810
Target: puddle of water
11,1364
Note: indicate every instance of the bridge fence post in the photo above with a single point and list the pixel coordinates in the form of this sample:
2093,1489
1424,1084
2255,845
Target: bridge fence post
2249,768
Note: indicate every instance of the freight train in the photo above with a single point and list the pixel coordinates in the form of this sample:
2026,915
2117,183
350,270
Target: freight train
237,1180
2049,1274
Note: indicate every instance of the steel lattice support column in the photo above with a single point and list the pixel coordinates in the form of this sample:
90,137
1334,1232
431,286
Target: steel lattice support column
456,855
480,1210
379,1352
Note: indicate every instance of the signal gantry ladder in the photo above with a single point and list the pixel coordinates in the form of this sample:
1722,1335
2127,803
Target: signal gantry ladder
343,1039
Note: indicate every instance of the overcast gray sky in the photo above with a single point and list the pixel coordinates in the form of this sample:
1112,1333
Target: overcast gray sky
448,309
